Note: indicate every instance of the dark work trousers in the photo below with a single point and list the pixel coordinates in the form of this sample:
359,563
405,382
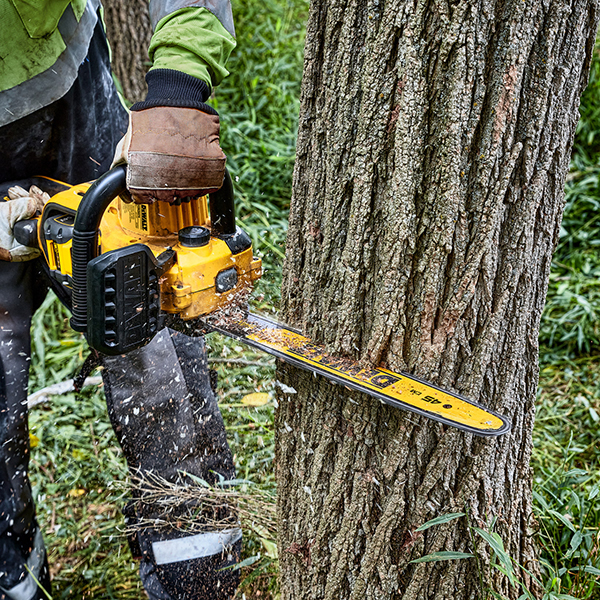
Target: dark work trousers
159,397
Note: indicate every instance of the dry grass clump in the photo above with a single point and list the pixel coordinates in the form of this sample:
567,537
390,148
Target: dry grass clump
193,505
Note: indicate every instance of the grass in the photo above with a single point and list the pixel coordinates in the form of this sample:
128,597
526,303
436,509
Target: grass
259,104
566,458
571,324
566,462
76,458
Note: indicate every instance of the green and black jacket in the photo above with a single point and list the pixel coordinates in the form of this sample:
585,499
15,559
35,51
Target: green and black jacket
43,42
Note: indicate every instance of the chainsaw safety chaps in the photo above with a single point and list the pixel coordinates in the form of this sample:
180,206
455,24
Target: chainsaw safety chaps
166,418
164,412
24,572
16,308
201,567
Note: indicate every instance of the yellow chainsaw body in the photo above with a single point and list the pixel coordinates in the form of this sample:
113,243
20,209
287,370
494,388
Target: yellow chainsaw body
188,288
118,304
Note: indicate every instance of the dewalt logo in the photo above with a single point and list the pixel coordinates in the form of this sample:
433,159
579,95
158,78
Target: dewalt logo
144,216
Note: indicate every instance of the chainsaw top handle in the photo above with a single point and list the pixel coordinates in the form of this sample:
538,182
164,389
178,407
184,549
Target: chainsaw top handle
87,223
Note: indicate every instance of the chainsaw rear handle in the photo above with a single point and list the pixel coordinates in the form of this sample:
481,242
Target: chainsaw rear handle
87,223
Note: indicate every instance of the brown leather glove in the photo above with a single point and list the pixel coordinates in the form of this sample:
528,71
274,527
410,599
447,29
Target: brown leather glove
172,143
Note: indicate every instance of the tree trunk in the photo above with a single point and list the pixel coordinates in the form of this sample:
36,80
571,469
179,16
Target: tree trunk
129,31
433,146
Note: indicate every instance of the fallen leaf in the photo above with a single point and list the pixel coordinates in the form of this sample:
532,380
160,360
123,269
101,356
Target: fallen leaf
256,399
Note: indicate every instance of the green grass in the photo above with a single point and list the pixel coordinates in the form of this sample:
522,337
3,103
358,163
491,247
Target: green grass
259,104
77,458
566,462
566,458
571,323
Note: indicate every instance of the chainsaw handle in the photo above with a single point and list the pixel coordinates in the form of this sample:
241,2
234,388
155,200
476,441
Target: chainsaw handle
85,236
222,209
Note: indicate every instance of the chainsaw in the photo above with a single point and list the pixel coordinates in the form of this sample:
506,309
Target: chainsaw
127,270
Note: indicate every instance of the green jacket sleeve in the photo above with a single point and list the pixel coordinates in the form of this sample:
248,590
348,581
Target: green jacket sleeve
194,41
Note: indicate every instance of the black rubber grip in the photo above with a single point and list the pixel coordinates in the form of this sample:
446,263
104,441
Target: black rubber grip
85,236
222,209
25,232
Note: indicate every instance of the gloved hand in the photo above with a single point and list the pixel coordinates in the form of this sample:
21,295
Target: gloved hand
172,144
22,205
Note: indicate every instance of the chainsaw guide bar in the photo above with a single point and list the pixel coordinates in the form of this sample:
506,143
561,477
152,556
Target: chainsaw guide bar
399,390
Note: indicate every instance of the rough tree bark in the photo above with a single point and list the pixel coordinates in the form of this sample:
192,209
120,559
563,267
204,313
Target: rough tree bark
129,31
433,145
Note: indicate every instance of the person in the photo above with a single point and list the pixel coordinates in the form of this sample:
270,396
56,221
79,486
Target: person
60,116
